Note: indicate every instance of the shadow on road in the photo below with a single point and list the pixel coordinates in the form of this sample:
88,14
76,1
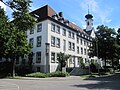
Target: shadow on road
107,82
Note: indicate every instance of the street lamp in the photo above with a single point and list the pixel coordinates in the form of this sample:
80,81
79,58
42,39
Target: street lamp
47,49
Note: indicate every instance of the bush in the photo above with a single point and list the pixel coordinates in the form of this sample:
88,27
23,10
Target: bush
37,74
93,68
58,74
43,75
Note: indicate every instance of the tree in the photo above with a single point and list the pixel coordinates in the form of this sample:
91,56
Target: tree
62,58
118,42
13,37
106,41
82,65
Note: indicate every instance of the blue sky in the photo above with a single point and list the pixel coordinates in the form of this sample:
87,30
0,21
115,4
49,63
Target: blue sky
106,12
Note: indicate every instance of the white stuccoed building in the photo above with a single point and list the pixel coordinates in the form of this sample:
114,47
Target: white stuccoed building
54,34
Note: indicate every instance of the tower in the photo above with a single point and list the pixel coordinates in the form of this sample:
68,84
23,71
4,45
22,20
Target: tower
89,21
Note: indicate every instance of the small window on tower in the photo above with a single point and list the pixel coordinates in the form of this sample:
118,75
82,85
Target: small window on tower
87,23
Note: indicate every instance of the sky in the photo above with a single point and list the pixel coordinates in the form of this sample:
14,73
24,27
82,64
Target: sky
106,12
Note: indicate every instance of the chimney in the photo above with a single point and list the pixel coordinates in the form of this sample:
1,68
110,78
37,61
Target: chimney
60,14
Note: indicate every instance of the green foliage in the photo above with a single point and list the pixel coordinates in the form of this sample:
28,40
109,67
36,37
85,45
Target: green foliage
63,59
93,68
58,74
37,74
13,40
22,19
16,77
89,76
43,75
106,43
82,65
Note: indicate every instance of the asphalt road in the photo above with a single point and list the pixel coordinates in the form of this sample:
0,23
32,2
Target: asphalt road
69,83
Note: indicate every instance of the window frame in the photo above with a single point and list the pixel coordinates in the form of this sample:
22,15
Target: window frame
37,54
53,41
39,27
52,27
53,58
58,29
69,45
32,43
58,42
64,32
39,42
32,31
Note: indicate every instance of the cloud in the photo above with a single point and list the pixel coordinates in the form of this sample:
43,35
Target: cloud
101,13
2,5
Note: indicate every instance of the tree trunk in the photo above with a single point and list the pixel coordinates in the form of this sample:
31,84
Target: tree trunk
14,63
113,66
61,67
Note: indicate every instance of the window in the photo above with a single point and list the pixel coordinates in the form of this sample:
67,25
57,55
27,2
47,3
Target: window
78,50
53,27
78,40
81,41
58,30
32,31
85,51
52,41
73,46
87,44
69,34
57,58
31,41
38,57
52,57
64,45
69,47
81,50
39,39
64,32
39,27
73,35
84,43
58,42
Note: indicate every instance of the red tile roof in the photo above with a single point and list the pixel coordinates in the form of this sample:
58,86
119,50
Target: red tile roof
47,11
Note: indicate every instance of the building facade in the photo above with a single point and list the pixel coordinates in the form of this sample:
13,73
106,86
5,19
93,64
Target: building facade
53,34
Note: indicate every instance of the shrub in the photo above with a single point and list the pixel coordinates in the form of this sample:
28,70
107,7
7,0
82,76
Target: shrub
37,74
43,75
93,68
58,74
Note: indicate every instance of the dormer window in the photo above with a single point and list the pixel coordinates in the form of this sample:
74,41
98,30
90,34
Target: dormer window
61,19
66,22
55,16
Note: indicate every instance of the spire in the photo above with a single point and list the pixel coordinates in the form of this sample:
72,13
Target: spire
88,8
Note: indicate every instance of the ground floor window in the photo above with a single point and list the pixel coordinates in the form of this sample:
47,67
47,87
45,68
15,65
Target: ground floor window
52,57
38,57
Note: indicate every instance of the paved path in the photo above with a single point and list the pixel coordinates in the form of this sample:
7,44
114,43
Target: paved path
69,83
